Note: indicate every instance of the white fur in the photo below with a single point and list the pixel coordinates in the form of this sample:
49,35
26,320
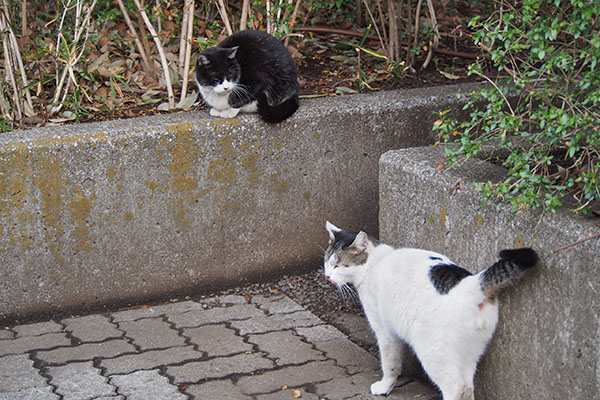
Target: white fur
217,98
448,332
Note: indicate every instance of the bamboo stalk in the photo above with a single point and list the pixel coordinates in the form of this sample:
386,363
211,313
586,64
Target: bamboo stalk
183,37
23,18
434,45
145,61
268,7
223,12
374,23
188,49
16,52
244,16
382,20
83,26
10,73
286,42
161,53
416,32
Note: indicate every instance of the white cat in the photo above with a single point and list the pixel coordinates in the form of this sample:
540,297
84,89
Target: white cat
445,313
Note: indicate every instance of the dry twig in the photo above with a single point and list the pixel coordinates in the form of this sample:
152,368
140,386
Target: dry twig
244,16
161,53
566,246
146,63
223,12
188,24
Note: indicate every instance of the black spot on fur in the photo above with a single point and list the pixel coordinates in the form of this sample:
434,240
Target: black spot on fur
445,276
343,239
512,264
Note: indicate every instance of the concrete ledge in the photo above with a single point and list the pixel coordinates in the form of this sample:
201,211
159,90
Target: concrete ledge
129,210
547,345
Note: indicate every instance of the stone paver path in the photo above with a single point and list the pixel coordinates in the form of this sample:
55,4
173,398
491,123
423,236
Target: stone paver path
228,347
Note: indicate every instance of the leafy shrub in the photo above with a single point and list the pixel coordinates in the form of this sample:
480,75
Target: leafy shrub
547,52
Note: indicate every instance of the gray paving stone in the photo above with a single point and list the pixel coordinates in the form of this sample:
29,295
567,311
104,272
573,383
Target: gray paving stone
229,299
80,380
276,322
86,352
30,394
146,385
20,380
215,315
177,308
348,355
291,376
151,333
37,329
357,327
288,393
149,359
285,347
216,340
92,328
30,343
222,389
155,311
6,334
320,333
406,389
348,386
278,304
219,367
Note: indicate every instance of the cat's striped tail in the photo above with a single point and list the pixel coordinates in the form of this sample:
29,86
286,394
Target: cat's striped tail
511,266
278,112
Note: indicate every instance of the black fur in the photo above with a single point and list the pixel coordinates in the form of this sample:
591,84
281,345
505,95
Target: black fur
262,66
445,276
343,239
512,264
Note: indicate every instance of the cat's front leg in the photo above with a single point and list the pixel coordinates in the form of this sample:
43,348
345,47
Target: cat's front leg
226,113
390,350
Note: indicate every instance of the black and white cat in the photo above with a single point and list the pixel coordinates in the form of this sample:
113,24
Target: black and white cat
445,313
249,71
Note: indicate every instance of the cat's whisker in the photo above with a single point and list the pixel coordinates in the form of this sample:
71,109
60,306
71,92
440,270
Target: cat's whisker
347,293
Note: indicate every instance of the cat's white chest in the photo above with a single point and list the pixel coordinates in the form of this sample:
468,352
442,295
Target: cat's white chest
215,99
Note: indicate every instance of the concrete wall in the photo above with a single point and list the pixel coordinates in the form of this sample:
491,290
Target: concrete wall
547,345
130,210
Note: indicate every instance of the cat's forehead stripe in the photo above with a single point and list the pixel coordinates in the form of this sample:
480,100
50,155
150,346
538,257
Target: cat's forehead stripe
343,239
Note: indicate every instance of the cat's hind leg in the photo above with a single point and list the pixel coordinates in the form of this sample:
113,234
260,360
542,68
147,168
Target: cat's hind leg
390,351
448,377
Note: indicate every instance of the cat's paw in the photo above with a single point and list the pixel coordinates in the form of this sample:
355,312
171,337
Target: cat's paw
230,112
214,112
382,387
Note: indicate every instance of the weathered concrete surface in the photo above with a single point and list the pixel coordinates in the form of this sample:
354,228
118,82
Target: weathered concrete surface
547,345
140,208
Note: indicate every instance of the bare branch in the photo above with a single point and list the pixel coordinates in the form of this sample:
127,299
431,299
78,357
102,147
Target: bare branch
161,52
223,12
145,61
188,48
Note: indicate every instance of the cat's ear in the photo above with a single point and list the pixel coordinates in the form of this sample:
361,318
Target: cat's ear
202,59
232,52
332,229
361,242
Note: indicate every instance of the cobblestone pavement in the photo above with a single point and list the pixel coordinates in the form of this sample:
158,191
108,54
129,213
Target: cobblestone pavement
226,347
